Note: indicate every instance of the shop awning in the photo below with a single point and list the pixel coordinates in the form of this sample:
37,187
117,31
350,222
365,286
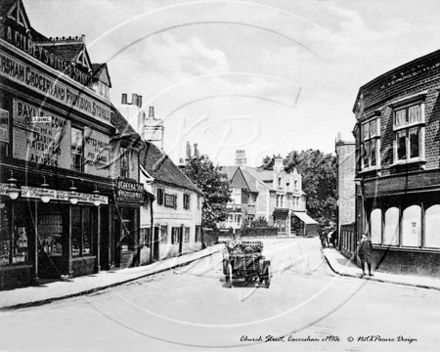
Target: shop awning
305,218
280,213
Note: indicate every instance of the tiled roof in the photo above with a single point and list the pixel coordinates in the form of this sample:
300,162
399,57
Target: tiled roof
122,125
66,52
162,169
261,176
97,70
5,5
230,172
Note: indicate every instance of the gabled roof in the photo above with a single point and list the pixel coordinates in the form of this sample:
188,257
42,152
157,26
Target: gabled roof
15,10
162,169
262,176
240,178
100,70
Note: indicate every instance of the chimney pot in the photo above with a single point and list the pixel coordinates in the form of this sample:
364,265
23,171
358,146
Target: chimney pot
124,98
134,99
151,112
140,101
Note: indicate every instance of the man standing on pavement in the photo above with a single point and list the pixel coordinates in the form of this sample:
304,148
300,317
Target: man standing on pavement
364,252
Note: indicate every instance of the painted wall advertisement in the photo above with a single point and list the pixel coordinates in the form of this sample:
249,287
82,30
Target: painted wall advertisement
96,153
40,143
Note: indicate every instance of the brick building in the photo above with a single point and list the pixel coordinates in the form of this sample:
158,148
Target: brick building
345,174
69,190
398,163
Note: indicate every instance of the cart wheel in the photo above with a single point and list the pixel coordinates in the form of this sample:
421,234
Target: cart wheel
228,276
268,276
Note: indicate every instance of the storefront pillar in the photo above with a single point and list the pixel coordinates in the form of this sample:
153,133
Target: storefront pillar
69,243
35,278
181,240
98,240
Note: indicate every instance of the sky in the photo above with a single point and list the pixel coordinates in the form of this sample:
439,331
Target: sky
266,76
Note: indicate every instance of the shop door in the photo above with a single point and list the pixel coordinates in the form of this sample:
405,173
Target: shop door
156,243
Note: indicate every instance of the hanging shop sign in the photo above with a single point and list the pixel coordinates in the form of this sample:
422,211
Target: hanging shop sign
127,191
40,143
36,192
22,73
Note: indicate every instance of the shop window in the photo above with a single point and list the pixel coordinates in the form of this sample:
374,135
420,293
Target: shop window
145,237
186,201
411,226
160,196
13,246
370,144
82,231
391,227
50,231
186,237
77,139
409,133
124,163
198,233
432,226
376,226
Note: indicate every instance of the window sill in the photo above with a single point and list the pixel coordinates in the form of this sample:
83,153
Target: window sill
370,169
410,125
409,162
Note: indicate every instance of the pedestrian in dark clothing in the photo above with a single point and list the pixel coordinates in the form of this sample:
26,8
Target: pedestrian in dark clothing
323,238
364,252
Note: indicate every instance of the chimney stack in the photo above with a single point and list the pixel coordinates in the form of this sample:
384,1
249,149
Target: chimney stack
196,151
124,99
240,158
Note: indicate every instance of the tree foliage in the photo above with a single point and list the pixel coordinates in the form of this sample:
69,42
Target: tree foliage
215,186
318,171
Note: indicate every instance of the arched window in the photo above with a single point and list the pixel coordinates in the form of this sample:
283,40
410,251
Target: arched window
391,226
432,226
411,226
376,226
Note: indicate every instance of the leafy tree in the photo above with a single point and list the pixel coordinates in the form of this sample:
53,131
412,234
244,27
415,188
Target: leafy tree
215,187
318,171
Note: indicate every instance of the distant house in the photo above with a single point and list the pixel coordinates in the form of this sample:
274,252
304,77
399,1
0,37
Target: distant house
274,195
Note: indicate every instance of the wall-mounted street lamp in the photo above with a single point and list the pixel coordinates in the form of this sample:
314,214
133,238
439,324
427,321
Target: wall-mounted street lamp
12,190
44,193
73,195
96,197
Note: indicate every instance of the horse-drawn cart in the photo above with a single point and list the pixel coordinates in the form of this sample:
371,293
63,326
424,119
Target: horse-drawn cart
244,261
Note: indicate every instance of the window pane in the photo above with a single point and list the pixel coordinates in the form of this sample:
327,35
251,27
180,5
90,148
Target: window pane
373,152
432,226
87,231
376,226
391,226
76,138
366,128
414,142
164,234
400,118
366,153
401,145
415,114
411,225
373,128
76,230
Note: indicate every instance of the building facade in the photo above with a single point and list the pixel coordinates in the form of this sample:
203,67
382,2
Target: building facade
60,150
274,195
398,165
346,195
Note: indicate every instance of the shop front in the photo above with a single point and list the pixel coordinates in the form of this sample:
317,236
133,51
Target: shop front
48,233
129,197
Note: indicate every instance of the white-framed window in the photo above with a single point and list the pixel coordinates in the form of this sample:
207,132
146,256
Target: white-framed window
160,196
77,150
186,201
370,144
411,226
432,226
376,226
391,227
171,200
409,133
124,163
280,182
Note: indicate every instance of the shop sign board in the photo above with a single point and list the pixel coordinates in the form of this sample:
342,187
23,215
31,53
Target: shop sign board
40,143
36,192
24,74
127,191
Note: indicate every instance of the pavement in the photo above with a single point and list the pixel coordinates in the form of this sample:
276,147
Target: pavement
66,288
345,267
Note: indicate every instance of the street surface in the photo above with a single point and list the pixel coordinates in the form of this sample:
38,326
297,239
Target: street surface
191,309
